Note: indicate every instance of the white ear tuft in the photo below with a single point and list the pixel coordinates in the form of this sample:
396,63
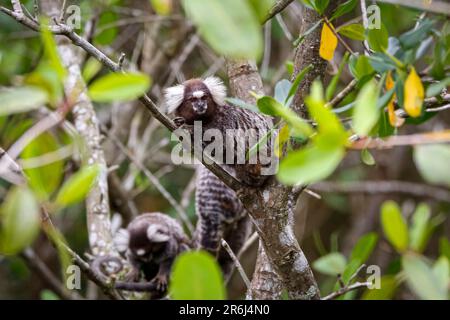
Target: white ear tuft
155,235
121,240
217,89
174,97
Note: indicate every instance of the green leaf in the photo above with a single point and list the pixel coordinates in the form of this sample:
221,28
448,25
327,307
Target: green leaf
366,113
241,104
261,7
332,264
20,221
331,89
312,163
119,87
48,295
344,8
432,161
23,99
230,27
91,68
417,35
386,291
367,158
378,39
327,120
162,7
44,179
46,78
436,88
77,187
270,106
108,31
394,226
51,51
444,247
364,248
196,276
296,83
441,270
353,31
421,278
321,5
419,232
360,66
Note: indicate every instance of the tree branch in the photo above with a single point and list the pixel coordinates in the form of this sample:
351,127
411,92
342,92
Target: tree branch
376,187
276,9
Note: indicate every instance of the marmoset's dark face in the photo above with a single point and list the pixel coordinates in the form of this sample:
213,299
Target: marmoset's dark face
146,243
196,99
198,104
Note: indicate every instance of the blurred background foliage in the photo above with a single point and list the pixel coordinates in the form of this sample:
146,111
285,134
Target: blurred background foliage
405,233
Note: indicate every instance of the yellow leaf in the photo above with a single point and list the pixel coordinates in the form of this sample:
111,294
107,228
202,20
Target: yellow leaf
393,119
328,43
414,94
280,140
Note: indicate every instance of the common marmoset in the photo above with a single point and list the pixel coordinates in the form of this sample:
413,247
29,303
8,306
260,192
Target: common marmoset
203,101
220,212
151,242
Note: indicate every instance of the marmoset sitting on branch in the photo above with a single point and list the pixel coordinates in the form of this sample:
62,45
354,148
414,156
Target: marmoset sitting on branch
244,149
220,212
151,243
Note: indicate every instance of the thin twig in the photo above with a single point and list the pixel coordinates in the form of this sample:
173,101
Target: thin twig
276,9
238,265
181,212
343,94
36,263
346,289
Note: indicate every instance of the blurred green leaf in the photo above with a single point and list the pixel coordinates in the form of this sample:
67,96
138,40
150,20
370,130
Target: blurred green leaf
444,247
76,188
162,7
327,120
44,179
270,106
364,248
414,37
48,295
238,34
312,163
20,221
441,270
436,88
353,31
296,83
321,5
386,292
261,7
367,158
366,113
434,169
23,99
119,87
331,264
196,276
108,31
242,104
360,66
91,68
421,278
378,39
394,226
51,51
419,231
331,89
344,8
